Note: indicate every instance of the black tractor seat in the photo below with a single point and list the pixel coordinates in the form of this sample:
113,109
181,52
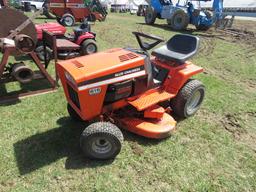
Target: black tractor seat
179,48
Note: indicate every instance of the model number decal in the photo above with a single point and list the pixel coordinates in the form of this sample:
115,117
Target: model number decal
95,91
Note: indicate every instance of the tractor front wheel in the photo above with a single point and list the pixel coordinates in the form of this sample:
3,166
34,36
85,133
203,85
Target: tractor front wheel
180,20
189,99
88,47
150,16
68,20
101,140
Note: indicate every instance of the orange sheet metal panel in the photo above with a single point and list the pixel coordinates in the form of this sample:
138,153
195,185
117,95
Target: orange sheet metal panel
178,75
101,64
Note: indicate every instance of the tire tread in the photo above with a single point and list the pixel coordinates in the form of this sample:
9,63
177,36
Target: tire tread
178,103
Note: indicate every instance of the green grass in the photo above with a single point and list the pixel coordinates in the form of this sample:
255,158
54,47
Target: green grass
214,150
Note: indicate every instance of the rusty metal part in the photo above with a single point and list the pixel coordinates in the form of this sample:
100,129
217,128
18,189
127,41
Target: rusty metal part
24,43
17,95
22,73
3,3
14,22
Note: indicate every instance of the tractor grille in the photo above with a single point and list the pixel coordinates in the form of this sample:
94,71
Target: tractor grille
73,96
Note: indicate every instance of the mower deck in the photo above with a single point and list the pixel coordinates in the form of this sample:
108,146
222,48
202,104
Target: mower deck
151,128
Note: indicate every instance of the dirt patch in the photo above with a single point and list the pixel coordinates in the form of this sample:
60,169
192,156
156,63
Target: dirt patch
233,125
136,148
240,36
240,124
242,33
207,44
245,25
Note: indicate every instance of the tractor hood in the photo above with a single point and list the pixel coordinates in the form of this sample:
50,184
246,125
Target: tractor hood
54,28
111,64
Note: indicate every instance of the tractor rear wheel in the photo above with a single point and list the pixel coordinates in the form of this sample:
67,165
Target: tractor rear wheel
189,99
88,47
179,20
73,114
68,20
150,16
101,140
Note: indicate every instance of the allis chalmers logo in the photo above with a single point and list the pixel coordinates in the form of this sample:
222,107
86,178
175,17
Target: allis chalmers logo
127,72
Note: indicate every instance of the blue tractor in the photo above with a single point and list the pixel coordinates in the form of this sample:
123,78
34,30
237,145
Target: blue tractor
183,13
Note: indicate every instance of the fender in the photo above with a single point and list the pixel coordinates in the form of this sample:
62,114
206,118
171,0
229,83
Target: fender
178,76
85,36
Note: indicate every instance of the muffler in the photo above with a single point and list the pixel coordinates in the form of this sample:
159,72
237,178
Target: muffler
22,73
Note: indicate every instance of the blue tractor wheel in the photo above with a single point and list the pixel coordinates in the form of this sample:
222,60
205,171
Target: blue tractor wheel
150,16
179,20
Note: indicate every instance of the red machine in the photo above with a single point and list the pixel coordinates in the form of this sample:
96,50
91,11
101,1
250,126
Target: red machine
81,36
127,88
70,11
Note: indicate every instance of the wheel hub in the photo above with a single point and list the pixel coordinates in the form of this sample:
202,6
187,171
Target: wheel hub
178,21
91,49
101,145
68,21
194,102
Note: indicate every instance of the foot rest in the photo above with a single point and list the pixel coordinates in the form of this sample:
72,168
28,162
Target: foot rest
146,101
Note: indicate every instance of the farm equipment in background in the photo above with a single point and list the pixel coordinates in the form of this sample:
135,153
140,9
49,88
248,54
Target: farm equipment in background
81,36
142,10
69,12
180,15
18,38
119,8
46,10
127,88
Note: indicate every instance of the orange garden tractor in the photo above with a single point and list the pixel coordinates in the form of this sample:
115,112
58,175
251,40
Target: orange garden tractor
126,88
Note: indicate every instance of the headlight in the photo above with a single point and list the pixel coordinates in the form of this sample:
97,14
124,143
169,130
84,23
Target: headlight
70,78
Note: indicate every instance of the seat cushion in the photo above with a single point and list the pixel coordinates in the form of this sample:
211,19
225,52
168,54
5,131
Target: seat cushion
179,48
164,53
64,44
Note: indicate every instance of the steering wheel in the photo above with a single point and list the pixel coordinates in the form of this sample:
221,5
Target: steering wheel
144,45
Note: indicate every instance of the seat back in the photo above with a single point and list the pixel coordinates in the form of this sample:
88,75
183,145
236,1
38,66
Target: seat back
183,44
